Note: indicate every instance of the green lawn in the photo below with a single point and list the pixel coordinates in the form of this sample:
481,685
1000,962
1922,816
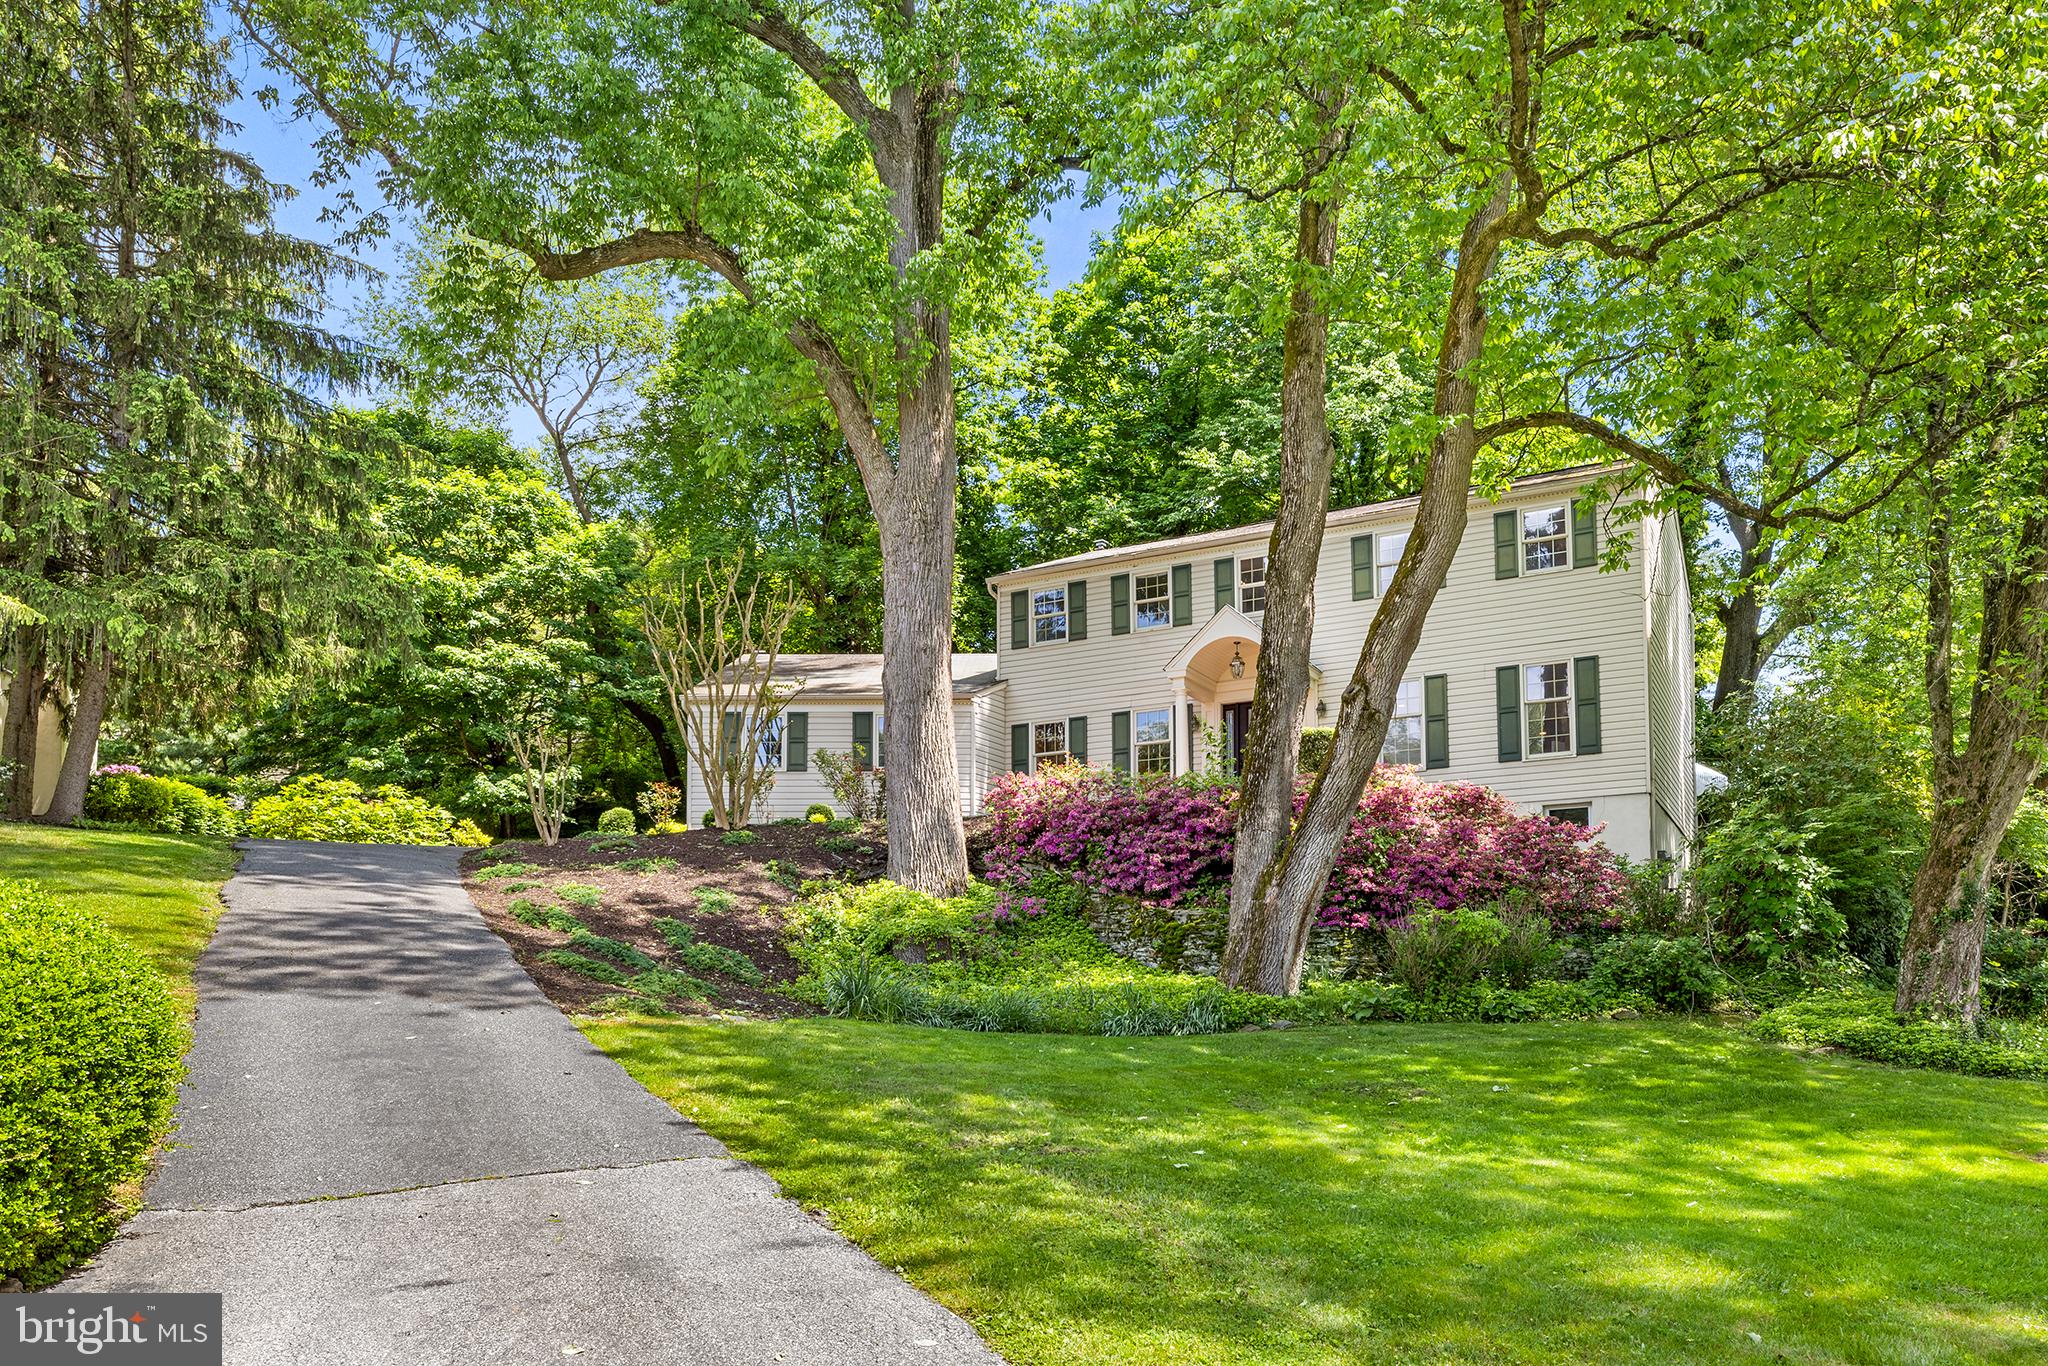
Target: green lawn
1651,1192
160,891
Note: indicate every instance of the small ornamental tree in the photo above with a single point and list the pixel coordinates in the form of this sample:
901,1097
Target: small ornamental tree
543,754
715,639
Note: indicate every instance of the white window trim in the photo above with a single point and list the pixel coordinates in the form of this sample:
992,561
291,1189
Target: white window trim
1243,563
1138,746
1066,620
1550,809
1063,754
1570,700
1523,539
1383,568
1421,729
1165,576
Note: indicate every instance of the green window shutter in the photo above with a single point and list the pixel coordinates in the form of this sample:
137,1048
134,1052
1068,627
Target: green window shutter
1507,692
796,740
1020,749
1119,604
1363,580
1120,740
1077,610
1436,721
1586,702
1585,537
1183,594
1226,583
864,738
1020,621
1507,546
1077,739
729,738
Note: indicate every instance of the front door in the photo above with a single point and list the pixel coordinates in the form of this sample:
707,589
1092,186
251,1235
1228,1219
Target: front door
1237,719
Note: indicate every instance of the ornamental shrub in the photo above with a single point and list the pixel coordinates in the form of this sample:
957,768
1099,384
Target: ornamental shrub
124,795
1864,1024
1678,974
1314,749
1759,880
1413,845
316,808
89,1066
617,820
818,812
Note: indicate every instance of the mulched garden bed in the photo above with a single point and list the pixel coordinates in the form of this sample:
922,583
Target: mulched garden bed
656,876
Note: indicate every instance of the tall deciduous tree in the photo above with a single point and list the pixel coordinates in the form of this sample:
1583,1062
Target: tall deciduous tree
1579,149
859,175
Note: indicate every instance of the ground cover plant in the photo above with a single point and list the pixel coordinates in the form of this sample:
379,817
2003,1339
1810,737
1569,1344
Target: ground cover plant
90,1044
1543,1193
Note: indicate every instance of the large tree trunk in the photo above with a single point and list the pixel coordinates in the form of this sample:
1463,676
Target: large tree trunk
1266,948
1265,808
1976,792
1742,618
81,746
25,687
927,844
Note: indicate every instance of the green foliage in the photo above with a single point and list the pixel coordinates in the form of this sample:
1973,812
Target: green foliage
595,969
167,805
2015,979
611,950
785,873
707,957
90,1044
1678,974
617,820
818,812
498,871
738,838
1757,877
716,900
545,917
1864,1024
316,808
581,894
1315,748
1439,953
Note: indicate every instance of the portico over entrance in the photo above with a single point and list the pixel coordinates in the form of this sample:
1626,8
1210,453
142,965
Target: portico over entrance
1212,678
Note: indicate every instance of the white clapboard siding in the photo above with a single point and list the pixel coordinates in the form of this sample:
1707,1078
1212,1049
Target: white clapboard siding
1477,624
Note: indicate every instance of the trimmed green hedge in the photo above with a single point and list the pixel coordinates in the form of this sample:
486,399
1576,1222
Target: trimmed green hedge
317,808
90,1058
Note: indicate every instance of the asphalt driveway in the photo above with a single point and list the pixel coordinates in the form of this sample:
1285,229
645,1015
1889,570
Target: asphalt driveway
393,1148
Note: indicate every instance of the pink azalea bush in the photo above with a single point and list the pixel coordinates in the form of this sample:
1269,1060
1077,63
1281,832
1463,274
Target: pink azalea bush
1412,845
1443,845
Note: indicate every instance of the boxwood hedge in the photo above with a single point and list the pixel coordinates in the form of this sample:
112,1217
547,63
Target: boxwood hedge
90,1057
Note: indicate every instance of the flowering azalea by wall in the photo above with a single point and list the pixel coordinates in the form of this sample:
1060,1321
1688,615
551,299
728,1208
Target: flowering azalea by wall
1412,845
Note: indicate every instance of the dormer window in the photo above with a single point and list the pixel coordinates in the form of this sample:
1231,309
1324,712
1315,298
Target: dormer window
1251,584
1546,539
1048,615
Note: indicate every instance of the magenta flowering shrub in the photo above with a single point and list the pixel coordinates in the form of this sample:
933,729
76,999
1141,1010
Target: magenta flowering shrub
1150,839
1415,844
1412,845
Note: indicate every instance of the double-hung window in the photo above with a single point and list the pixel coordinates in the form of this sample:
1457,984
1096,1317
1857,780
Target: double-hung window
768,745
1547,708
1048,615
1404,727
1048,743
1251,584
1153,735
1153,597
1546,539
1390,545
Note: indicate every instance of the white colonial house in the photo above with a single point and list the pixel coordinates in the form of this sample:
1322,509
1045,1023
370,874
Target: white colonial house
1567,688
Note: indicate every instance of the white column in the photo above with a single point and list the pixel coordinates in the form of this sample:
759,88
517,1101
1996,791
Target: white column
1182,743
